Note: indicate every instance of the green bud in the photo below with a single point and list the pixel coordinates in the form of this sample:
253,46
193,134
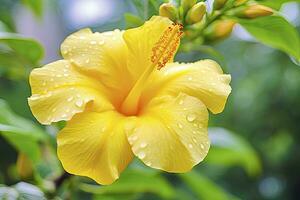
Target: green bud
187,4
196,13
168,10
218,4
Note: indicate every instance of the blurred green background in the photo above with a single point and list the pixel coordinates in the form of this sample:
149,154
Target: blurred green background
255,152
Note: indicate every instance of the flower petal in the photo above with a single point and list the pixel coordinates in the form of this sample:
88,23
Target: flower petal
203,79
59,91
171,133
140,42
94,145
101,55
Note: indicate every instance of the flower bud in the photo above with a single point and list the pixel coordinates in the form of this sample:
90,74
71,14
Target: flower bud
168,10
196,13
254,11
187,4
218,4
220,29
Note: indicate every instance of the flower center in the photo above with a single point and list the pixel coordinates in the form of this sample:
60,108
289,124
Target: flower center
162,52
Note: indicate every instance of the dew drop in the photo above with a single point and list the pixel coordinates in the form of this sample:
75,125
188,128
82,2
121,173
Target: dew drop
87,60
190,146
149,163
202,146
190,78
93,42
191,117
179,125
66,75
142,155
180,102
70,99
101,42
143,144
63,115
79,103
194,140
82,37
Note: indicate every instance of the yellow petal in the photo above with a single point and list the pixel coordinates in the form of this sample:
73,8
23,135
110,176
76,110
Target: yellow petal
94,145
59,91
140,42
203,79
101,55
170,133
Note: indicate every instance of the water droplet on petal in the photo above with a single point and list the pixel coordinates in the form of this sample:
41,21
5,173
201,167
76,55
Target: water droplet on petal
149,163
190,78
70,99
93,42
79,103
194,140
63,115
87,60
101,42
180,102
190,146
191,117
179,125
202,146
141,155
143,144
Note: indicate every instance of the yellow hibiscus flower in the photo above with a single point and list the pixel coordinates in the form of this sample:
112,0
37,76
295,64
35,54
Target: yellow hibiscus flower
123,96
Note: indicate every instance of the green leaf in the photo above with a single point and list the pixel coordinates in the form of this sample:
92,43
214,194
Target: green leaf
228,149
276,32
12,67
275,4
27,50
132,21
134,181
204,188
21,133
35,5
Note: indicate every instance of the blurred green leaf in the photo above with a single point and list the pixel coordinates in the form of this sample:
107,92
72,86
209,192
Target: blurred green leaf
12,67
204,188
132,21
28,50
23,134
21,191
134,181
229,149
35,5
275,4
276,32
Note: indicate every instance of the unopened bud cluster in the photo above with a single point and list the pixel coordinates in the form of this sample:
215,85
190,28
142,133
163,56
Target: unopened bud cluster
188,12
213,26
